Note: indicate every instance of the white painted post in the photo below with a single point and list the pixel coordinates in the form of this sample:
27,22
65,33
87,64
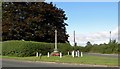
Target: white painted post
48,54
68,53
40,54
60,55
81,54
36,54
78,53
73,54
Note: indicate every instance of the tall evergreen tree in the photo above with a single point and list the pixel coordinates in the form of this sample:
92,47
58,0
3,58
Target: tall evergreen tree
35,21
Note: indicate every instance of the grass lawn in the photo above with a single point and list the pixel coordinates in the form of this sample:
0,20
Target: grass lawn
96,60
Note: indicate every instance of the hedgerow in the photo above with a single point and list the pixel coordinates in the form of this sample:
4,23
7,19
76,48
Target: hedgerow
29,48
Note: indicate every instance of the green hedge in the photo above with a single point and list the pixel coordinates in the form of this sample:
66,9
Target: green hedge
105,49
29,48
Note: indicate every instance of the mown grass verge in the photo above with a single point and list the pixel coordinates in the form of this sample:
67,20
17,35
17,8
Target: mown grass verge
94,60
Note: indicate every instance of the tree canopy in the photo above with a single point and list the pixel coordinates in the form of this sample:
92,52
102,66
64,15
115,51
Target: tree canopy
33,21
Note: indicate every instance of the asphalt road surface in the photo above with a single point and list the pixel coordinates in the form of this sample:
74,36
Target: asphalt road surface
18,63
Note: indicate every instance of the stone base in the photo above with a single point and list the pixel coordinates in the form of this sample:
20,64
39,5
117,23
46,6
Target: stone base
55,54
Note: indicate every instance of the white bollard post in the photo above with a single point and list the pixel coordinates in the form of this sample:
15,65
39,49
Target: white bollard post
40,54
36,54
73,54
78,53
60,55
81,54
68,53
48,54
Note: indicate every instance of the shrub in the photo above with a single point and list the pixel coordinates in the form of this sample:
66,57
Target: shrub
105,48
29,48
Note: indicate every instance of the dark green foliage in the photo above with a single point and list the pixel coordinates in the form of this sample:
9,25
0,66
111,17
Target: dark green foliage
64,48
110,48
23,48
118,49
29,48
88,46
33,21
88,43
78,48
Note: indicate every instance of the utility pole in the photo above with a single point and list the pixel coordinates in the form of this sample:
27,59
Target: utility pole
74,39
110,36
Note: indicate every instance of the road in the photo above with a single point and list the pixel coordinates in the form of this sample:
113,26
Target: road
18,63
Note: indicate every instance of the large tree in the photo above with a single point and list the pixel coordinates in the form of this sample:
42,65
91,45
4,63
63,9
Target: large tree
35,21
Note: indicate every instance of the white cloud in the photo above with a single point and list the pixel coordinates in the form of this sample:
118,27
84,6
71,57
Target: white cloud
94,38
